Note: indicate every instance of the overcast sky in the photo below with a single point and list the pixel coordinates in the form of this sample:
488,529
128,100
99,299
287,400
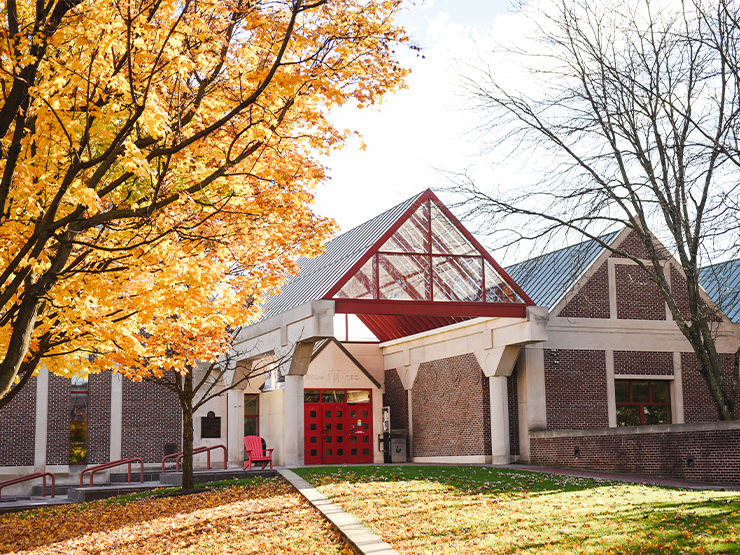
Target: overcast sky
418,129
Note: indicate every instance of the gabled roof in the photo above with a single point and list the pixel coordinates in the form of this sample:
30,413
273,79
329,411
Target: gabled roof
318,275
414,268
322,343
722,283
548,277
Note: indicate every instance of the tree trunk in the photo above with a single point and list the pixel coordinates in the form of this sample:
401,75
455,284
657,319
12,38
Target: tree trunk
187,433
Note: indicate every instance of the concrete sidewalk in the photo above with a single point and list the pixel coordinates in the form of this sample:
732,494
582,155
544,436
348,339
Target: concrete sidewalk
359,535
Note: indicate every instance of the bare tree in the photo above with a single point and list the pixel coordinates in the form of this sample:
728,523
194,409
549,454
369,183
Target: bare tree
630,115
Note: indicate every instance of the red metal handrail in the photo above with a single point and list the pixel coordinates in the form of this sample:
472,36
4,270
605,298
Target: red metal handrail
31,477
93,469
207,450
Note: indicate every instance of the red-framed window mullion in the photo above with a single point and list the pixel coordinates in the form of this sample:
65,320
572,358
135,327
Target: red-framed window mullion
430,288
376,276
642,404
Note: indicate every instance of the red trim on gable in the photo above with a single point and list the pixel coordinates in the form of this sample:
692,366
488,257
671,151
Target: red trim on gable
481,249
428,195
430,308
372,250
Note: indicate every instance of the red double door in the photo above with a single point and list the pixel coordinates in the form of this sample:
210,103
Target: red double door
338,430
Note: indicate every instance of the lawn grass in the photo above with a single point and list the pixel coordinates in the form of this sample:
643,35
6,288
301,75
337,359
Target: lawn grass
262,515
466,510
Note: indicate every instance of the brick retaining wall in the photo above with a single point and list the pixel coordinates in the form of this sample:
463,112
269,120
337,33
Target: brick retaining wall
707,452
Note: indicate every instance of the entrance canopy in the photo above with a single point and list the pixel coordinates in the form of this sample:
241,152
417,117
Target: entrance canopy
411,269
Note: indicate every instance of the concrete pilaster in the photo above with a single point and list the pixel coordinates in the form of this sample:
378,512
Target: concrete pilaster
294,431
500,445
42,419
410,406
530,373
677,414
116,416
235,430
611,395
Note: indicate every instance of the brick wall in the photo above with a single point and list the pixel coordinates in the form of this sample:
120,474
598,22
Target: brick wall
151,418
98,418
681,296
638,297
396,398
591,300
697,402
450,409
575,389
715,452
513,414
60,407
19,422
633,245
645,363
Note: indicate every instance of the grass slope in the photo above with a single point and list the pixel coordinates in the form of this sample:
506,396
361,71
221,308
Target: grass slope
466,510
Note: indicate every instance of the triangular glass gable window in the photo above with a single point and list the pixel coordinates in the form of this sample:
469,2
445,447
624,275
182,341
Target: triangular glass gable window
428,258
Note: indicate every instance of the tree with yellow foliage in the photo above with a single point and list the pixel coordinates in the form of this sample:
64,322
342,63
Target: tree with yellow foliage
158,161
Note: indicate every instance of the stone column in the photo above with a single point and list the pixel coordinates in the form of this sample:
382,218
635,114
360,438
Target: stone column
500,445
409,404
116,416
235,426
42,420
294,427
531,395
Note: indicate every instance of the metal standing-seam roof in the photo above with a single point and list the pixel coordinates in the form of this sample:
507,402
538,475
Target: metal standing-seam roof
411,269
318,275
548,277
722,283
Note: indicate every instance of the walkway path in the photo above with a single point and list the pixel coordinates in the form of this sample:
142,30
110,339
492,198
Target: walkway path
359,535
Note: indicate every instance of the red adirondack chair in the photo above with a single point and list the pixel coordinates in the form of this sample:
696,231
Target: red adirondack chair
255,453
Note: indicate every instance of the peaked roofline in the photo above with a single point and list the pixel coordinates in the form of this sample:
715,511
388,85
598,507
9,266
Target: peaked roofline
354,361
425,196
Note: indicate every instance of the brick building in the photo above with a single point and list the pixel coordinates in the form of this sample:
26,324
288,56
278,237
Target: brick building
62,426
568,359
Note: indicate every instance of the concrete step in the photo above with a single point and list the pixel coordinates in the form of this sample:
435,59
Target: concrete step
59,489
215,475
33,502
104,491
149,476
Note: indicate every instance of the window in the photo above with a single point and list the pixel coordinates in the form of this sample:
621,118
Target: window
428,259
311,396
78,421
358,396
251,414
333,396
642,402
